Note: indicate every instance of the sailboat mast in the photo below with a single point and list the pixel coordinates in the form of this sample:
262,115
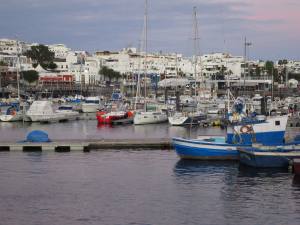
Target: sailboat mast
18,70
146,47
195,47
138,85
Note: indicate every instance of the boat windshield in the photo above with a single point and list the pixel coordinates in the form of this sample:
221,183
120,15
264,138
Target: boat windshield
92,101
65,108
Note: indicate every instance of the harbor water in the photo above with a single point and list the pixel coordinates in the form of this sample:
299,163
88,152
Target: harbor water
136,187
88,129
141,187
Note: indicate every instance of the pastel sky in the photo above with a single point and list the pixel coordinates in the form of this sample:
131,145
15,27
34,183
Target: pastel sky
272,26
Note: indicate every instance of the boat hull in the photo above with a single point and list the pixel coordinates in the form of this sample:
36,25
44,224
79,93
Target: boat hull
256,157
11,118
114,117
185,120
204,150
46,118
90,108
141,119
68,116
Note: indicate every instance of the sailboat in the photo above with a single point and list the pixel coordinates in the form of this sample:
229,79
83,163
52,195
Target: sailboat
189,118
15,112
147,117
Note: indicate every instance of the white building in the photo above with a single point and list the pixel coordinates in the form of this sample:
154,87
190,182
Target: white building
12,62
60,50
13,47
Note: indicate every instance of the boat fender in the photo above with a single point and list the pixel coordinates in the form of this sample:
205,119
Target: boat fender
235,117
245,129
236,139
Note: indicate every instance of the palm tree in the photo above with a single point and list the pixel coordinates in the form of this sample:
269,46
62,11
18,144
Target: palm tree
109,73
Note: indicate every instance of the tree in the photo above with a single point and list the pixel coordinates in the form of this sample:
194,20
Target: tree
271,70
282,62
40,54
109,73
257,71
2,63
30,76
52,66
269,67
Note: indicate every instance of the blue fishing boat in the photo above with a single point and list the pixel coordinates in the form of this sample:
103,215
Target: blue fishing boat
242,131
259,155
206,148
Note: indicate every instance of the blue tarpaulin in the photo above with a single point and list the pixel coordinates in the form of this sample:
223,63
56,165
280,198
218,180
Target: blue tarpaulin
37,136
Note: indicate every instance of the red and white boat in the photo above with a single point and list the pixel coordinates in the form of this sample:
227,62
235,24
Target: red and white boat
114,117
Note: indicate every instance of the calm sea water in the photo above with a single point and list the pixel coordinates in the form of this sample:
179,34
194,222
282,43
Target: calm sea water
135,187
88,129
140,187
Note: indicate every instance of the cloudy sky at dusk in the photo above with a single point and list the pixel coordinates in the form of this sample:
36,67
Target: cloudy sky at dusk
271,25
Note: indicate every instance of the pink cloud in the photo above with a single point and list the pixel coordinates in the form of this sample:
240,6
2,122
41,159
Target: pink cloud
286,12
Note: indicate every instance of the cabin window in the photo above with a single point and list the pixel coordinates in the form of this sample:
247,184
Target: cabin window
277,123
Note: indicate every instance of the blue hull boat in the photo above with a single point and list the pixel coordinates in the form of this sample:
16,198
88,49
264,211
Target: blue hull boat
269,131
269,156
206,148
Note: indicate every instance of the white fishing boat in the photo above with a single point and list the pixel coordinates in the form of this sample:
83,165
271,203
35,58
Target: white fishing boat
42,111
91,104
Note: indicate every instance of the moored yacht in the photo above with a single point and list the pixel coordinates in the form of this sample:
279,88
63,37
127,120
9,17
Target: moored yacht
68,112
14,113
186,118
91,104
149,117
42,111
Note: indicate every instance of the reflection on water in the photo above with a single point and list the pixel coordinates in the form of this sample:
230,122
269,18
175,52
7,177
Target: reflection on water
296,181
241,195
141,187
248,171
190,167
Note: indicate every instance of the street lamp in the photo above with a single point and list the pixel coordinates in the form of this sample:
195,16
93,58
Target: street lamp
246,44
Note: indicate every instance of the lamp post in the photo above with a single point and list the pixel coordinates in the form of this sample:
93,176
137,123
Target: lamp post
246,44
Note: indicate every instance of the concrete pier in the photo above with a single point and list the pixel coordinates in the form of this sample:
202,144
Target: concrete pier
131,144
89,145
48,146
